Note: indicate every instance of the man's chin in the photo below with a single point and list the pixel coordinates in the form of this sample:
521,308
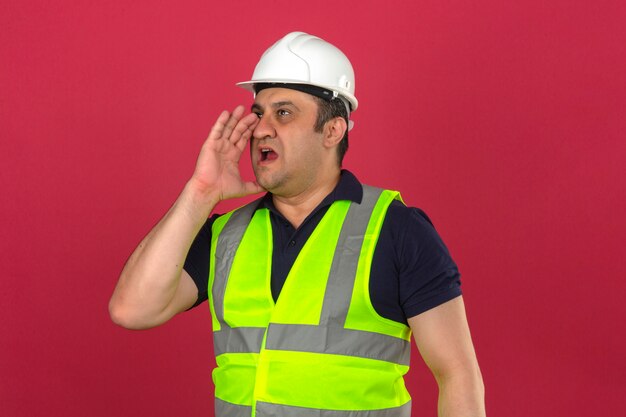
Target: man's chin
264,181
273,185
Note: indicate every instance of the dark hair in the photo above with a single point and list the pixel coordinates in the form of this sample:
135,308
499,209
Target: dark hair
328,110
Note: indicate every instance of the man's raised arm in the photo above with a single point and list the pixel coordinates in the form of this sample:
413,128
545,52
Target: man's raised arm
153,286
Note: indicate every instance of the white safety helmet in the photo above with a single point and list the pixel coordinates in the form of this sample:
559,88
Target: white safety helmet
300,58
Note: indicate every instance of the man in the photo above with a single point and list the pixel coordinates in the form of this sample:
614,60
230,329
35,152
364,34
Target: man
315,288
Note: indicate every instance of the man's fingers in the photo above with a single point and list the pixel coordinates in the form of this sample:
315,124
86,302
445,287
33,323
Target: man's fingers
232,122
225,124
233,128
243,140
243,130
218,128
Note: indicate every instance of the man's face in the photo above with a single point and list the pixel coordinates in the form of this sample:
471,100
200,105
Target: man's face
285,150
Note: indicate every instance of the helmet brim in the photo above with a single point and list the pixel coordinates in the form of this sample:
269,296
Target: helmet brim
249,86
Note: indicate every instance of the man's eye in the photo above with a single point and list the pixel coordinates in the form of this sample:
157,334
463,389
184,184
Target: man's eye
283,112
258,114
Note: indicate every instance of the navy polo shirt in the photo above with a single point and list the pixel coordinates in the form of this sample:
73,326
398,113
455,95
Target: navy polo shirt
412,270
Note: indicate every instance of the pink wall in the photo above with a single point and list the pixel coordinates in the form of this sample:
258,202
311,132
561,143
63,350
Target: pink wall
505,121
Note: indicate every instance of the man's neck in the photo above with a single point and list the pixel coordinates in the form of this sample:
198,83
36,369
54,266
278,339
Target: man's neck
296,208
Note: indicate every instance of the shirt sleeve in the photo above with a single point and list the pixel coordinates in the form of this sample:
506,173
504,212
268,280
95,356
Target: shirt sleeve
427,276
198,259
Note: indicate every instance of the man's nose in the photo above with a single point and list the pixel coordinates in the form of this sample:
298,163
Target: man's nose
264,129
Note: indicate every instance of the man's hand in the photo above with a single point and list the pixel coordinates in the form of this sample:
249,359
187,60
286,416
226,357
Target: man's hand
217,170
153,287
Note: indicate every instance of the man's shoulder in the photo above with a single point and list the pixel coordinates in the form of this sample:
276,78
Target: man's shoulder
404,222
398,213
401,212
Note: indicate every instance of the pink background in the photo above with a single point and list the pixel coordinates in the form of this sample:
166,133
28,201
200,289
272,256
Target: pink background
505,121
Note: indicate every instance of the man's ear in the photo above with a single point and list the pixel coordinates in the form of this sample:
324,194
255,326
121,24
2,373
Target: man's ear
334,131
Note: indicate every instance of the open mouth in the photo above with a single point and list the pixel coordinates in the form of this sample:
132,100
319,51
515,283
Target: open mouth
268,154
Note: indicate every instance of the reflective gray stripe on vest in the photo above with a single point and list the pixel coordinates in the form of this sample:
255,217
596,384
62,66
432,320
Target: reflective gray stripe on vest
276,410
238,340
223,408
329,336
227,244
340,341
343,268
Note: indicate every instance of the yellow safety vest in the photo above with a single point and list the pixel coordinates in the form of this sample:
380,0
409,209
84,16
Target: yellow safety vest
321,350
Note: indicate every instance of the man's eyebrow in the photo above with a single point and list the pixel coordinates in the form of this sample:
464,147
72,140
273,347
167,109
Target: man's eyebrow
259,108
284,103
